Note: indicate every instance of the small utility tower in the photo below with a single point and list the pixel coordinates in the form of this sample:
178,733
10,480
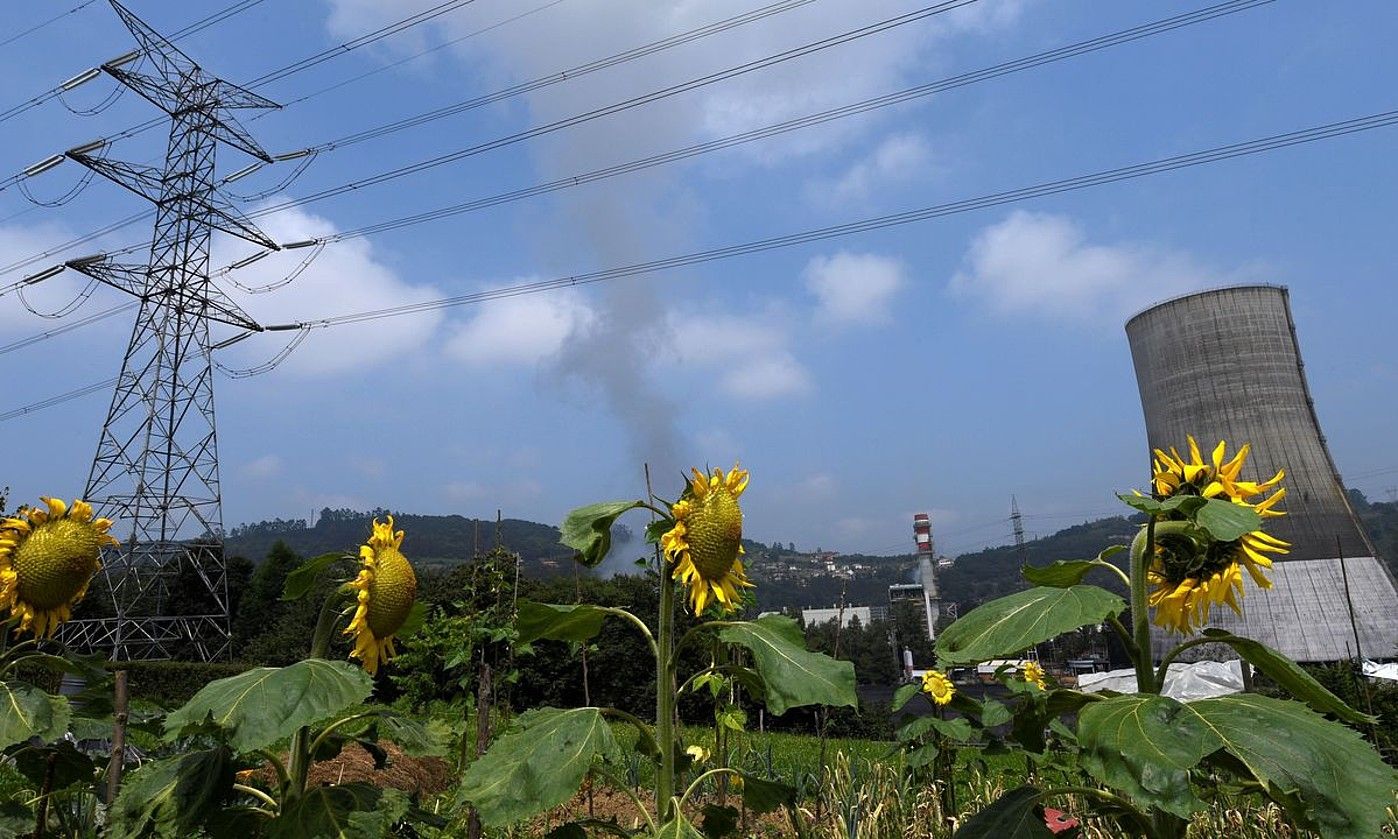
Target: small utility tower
1018,521
156,468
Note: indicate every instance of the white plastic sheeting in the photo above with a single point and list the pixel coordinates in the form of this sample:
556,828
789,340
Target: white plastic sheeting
1185,682
1374,670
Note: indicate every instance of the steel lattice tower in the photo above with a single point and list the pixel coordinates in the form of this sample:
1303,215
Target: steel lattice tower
156,468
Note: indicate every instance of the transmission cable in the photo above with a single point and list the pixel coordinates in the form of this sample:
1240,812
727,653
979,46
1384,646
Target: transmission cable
1168,164
570,74
856,108
919,91
66,328
807,49
400,62
36,27
625,105
1250,147
92,73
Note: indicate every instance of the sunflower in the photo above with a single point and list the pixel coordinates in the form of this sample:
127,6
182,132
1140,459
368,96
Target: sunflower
707,539
1174,475
936,685
1032,673
1190,575
47,559
386,586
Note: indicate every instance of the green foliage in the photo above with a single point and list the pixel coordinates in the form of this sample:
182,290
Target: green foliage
559,623
791,674
1325,776
537,767
258,708
1145,745
1289,675
588,530
174,796
26,711
1011,624
172,683
344,811
1015,815
299,581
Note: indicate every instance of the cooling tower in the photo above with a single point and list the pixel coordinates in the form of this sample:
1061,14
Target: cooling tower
1225,365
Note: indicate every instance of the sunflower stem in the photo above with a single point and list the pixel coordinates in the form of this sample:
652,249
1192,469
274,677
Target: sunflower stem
1142,549
665,698
300,741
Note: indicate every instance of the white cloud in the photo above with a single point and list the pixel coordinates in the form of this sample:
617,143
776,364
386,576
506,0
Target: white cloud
519,330
1040,263
346,277
750,352
263,467
52,295
899,160
818,487
853,288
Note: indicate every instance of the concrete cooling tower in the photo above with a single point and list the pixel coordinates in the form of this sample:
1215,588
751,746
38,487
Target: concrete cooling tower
1225,365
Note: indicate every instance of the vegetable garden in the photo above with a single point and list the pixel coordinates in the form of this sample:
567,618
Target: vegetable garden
305,750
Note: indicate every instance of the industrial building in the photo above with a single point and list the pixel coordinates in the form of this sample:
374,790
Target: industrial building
1225,365
846,616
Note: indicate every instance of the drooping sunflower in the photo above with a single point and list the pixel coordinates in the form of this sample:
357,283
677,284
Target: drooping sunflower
936,685
1218,478
1190,576
706,542
386,588
1032,673
47,559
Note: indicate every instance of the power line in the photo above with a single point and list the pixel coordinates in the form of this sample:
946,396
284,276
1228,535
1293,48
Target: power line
1168,164
810,120
92,73
356,43
628,104
570,74
871,29
415,56
36,27
294,67
1250,147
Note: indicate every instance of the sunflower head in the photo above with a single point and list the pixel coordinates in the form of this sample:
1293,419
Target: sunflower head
385,588
1032,673
1190,574
937,686
47,559
706,542
1217,478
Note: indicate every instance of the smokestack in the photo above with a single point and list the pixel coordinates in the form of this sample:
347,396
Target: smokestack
1225,365
926,570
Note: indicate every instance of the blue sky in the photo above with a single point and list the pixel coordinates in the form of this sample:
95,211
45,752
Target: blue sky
940,366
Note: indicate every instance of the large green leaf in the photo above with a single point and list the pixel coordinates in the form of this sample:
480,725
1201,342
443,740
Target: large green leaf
1227,521
1010,624
429,738
26,711
1290,676
559,623
794,676
588,530
903,695
1067,572
678,828
762,795
1145,745
540,766
1322,772
347,811
1014,815
60,763
303,577
172,797
266,704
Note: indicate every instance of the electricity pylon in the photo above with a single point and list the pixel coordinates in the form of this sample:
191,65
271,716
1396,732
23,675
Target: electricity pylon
156,468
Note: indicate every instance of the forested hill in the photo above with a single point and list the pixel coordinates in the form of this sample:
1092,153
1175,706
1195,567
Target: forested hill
431,540
786,577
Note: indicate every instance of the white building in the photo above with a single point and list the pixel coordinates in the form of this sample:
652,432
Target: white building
811,617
